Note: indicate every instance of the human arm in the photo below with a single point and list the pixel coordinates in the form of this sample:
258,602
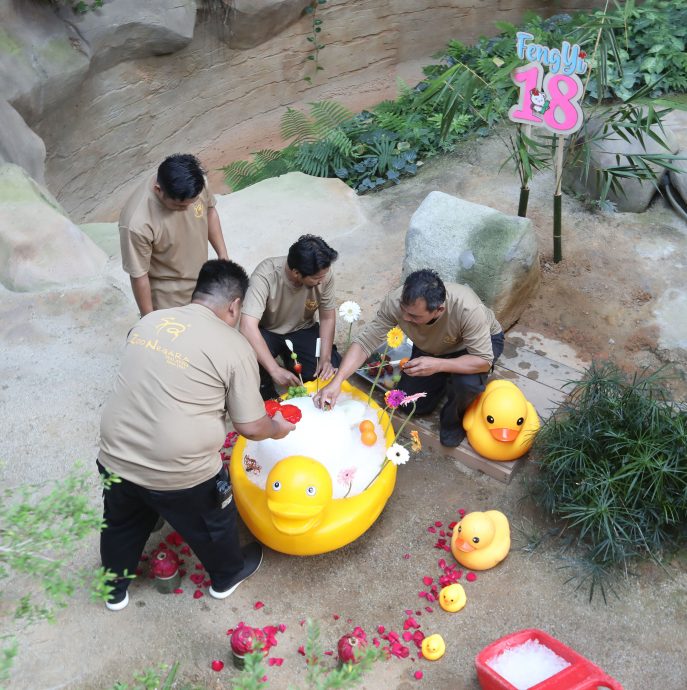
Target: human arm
266,427
352,361
215,235
465,364
142,294
325,370
250,329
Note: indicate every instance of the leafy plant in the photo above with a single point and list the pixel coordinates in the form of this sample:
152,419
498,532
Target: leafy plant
314,37
613,466
40,529
78,6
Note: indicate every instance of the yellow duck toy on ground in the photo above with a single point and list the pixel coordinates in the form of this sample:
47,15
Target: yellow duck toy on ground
500,422
481,540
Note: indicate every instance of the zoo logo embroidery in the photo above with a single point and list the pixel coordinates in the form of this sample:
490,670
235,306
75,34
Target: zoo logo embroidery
174,328
311,304
449,339
198,209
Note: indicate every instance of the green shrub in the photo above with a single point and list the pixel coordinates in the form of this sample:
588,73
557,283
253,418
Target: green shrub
613,465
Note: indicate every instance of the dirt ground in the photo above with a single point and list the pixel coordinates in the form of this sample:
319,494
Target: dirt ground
618,292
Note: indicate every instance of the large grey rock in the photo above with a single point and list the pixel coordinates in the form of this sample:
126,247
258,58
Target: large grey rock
128,29
252,22
679,179
495,254
611,150
20,144
42,59
39,246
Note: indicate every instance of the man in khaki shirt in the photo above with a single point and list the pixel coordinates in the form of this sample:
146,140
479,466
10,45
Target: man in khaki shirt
164,229
456,340
184,371
283,298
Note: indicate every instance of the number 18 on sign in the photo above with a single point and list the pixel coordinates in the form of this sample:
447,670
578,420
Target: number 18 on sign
551,99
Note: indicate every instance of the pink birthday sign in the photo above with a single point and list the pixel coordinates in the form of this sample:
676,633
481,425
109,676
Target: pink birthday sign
550,98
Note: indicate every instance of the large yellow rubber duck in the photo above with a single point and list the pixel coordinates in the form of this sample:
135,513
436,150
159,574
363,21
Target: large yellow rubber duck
296,513
481,540
500,422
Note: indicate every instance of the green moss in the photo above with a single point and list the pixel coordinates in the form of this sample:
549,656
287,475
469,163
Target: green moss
17,187
58,50
8,44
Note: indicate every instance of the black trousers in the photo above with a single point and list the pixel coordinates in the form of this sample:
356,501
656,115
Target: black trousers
130,513
460,389
304,342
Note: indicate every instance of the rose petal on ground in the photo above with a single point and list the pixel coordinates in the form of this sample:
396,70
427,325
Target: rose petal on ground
406,556
230,631
144,557
442,533
281,627
429,609
471,577
196,578
461,512
174,538
197,594
442,563
381,629
422,594
451,525
258,605
199,566
275,661
375,641
336,616
217,665
430,598
427,580
301,650
329,652
432,530
186,550
182,572
407,636
438,524
178,590
418,675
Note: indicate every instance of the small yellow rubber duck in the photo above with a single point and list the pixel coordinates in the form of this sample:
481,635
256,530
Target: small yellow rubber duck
500,422
481,540
452,597
433,647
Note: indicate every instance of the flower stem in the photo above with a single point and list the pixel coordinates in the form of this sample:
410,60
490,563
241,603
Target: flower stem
388,422
384,464
348,339
405,421
350,486
379,373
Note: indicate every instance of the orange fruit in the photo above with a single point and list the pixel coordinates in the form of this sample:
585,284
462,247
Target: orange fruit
366,425
369,438
403,362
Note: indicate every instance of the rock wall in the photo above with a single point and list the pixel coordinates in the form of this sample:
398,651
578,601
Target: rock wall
113,92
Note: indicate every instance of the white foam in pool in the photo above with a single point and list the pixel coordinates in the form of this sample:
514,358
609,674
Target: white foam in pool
527,664
330,437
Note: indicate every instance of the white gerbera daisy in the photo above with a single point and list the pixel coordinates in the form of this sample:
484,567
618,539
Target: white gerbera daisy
397,454
349,311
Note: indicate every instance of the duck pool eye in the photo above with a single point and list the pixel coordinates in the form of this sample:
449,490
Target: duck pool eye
311,491
520,421
459,528
475,540
276,486
490,419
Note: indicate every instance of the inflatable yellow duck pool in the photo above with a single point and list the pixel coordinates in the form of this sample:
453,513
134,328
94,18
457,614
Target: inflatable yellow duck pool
481,540
500,422
296,512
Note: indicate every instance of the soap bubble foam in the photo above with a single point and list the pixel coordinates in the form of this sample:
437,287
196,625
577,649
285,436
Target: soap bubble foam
331,437
527,664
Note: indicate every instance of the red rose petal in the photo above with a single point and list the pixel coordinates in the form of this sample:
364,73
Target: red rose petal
430,598
329,653
174,538
275,661
433,530
199,566
258,605
217,665
471,577
381,629
422,594
186,550
408,612
375,641
429,609
407,636
281,627
438,524
197,594
451,525
336,616
406,556
301,650
182,572
427,580
178,590
418,675
461,512
196,578
230,631
301,622
442,533
418,612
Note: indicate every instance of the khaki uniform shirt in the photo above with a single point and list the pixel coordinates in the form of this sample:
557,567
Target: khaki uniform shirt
465,324
183,370
170,246
280,306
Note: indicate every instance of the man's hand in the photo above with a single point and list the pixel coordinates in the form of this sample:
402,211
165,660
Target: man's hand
423,366
283,377
325,370
327,397
283,428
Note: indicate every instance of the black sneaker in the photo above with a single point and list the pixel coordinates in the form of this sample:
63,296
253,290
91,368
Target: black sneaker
451,438
118,601
252,558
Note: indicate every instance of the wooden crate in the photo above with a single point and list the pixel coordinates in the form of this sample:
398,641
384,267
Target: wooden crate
541,379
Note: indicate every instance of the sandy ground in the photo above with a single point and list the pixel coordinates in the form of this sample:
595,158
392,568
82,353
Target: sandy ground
612,295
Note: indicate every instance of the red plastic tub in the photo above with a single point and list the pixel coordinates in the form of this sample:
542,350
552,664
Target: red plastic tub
582,674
